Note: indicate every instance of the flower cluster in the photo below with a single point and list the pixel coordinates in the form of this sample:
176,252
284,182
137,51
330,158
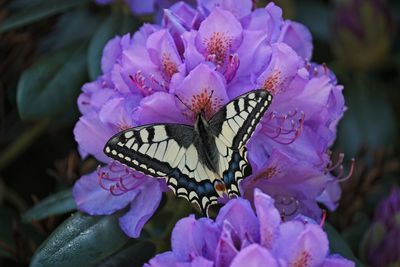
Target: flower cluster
228,48
239,237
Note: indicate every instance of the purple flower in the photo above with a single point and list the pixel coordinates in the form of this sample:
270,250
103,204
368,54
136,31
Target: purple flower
241,237
228,48
381,244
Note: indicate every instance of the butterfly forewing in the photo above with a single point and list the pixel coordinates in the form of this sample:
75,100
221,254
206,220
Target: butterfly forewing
168,151
233,125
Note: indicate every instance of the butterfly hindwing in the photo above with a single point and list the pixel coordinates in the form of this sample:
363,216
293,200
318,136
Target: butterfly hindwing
168,151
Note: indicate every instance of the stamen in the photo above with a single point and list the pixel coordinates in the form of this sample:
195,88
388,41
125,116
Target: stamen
156,83
286,203
323,219
326,69
232,67
186,105
286,130
340,177
117,185
140,82
332,166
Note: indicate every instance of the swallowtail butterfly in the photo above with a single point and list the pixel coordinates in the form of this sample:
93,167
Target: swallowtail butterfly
199,163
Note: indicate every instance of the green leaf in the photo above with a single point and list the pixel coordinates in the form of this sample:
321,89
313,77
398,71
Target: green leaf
50,88
339,246
131,255
116,24
42,10
81,240
104,33
59,203
68,30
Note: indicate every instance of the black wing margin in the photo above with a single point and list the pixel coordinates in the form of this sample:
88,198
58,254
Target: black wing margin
235,122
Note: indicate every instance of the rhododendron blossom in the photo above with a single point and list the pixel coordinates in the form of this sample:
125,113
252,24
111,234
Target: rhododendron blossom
206,56
241,237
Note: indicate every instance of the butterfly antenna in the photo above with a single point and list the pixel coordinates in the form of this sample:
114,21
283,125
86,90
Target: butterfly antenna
184,103
209,98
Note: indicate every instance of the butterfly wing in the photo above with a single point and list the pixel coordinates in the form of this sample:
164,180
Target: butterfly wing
168,151
232,127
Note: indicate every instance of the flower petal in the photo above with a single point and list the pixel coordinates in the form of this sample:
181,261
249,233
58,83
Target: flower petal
254,255
112,52
166,259
219,35
197,87
91,135
337,261
91,198
159,107
240,215
118,112
301,244
190,236
269,218
163,52
298,37
226,249
239,9
268,20
281,70
192,56
142,208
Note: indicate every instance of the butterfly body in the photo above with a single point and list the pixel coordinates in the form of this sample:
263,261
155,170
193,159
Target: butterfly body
199,163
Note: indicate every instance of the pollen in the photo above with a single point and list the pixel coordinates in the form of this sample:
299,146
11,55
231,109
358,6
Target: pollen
273,83
218,46
205,102
268,173
302,260
168,66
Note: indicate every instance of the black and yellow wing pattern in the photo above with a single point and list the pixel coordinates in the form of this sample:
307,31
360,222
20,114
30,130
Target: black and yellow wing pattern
199,163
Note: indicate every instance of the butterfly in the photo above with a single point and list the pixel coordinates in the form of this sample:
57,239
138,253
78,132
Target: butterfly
202,162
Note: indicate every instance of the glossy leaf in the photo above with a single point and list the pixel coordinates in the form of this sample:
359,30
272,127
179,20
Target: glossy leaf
104,33
81,240
116,24
134,255
41,10
68,30
339,246
59,203
50,87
